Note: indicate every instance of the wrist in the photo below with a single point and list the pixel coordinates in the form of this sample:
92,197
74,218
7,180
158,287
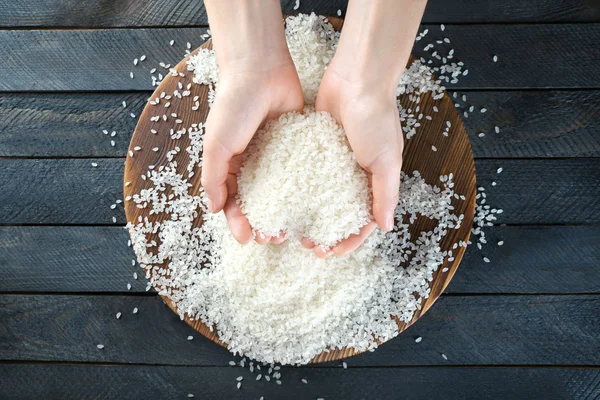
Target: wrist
364,64
377,39
247,34
364,80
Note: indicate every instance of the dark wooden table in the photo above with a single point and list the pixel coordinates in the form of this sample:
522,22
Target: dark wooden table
524,326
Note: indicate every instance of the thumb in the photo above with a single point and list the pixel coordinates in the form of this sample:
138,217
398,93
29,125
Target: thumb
225,137
215,167
385,182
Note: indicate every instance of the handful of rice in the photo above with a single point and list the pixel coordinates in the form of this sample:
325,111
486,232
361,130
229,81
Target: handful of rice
301,178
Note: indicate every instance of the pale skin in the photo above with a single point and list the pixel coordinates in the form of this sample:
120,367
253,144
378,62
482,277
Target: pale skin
258,81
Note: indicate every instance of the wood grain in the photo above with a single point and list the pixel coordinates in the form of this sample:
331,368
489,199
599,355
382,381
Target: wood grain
470,330
542,330
533,259
83,259
530,56
534,123
544,195
146,13
67,124
72,192
67,259
59,191
40,381
453,155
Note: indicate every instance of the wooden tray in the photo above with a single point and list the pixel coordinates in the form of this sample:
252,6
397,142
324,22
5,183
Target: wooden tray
453,155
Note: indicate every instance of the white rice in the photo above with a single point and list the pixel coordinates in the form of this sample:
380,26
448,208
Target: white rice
326,202
312,41
280,303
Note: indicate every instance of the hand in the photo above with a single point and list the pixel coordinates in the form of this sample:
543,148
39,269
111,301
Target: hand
369,115
247,95
257,81
359,91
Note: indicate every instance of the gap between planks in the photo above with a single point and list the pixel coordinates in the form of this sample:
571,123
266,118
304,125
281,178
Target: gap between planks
327,365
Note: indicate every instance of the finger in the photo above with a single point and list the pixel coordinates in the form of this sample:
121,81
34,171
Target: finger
321,253
238,223
347,246
262,239
215,167
278,239
386,184
328,98
307,243
235,213
224,139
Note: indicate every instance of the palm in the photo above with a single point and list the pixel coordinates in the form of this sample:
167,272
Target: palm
245,100
372,126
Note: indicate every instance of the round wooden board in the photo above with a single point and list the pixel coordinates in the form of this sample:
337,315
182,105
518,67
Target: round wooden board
453,155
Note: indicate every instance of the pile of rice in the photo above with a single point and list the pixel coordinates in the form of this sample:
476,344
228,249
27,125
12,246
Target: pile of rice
301,178
280,303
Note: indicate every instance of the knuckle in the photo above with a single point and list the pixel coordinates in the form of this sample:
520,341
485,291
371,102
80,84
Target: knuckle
387,160
210,146
385,199
205,180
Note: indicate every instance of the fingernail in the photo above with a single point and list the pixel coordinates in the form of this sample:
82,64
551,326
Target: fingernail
211,207
389,223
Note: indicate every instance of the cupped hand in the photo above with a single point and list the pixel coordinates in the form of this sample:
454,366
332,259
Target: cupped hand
248,94
368,112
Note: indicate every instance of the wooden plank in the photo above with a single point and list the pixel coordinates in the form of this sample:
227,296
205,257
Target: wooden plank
42,381
525,58
534,123
461,11
530,56
533,259
67,259
96,259
543,191
65,59
131,13
67,124
537,123
470,330
59,191
71,191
